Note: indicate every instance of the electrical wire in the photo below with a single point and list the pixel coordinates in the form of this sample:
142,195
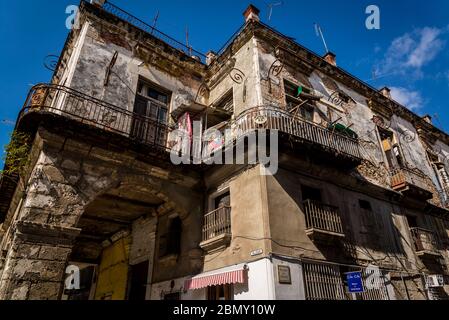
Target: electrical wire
403,270
262,239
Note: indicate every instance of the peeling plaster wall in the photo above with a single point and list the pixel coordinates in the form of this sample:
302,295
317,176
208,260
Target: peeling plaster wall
249,218
245,89
356,115
143,240
443,152
68,174
96,54
371,236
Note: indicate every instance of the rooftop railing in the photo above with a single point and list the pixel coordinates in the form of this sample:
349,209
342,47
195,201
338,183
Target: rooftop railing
138,23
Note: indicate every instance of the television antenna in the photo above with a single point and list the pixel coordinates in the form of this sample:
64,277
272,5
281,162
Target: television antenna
156,18
319,33
187,40
271,6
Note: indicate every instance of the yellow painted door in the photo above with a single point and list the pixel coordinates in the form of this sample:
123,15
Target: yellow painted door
113,271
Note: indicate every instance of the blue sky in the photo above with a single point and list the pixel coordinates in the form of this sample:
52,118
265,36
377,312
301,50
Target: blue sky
409,53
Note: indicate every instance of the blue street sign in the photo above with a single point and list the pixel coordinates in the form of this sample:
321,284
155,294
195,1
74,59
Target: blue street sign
355,282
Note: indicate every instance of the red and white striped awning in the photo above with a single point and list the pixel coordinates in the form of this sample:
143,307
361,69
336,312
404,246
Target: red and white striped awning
207,280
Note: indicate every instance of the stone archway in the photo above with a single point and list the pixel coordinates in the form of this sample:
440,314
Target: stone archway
66,177
118,236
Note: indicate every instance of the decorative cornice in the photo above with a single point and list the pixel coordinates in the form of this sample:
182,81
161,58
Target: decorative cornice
155,57
214,79
314,61
382,109
288,57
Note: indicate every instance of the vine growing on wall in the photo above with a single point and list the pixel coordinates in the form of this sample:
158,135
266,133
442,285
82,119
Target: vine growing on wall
17,153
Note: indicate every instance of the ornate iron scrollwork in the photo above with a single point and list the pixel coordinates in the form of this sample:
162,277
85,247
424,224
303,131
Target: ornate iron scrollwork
237,75
50,62
275,70
336,99
108,117
203,91
340,98
260,119
381,122
407,136
439,152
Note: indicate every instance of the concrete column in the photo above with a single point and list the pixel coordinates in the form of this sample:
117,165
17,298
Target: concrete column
36,262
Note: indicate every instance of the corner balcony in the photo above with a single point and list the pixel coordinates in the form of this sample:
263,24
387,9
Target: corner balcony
216,230
329,143
445,197
323,222
425,243
410,183
48,100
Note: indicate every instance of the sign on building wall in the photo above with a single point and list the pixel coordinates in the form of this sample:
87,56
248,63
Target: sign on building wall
355,282
284,275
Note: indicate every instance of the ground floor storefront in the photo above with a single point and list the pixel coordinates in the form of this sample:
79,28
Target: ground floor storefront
274,278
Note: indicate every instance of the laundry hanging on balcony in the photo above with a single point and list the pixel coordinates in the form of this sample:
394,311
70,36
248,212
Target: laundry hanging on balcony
184,138
215,138
209,279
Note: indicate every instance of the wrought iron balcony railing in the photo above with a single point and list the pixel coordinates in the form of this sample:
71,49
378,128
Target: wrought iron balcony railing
78,106
274,118
403,177
322,217
425,241
217,223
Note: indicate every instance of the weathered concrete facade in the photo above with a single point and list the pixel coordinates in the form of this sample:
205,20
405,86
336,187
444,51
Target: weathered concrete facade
101,193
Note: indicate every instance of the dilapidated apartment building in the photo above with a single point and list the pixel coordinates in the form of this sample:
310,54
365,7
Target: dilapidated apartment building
362,180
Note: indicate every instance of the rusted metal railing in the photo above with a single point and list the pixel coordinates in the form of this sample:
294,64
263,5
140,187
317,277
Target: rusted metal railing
274,118
424,240
217,223
323,217
401,177
67,102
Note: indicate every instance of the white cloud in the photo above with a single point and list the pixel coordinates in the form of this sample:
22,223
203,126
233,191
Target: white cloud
410,99
412,51
428,47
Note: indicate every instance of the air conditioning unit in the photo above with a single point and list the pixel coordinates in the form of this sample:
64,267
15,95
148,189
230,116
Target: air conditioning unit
435,281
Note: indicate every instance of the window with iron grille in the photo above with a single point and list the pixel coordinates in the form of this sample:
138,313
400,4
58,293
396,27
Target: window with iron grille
328,282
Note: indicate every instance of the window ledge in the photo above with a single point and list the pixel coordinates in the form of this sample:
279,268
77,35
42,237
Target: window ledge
170,259
216,243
